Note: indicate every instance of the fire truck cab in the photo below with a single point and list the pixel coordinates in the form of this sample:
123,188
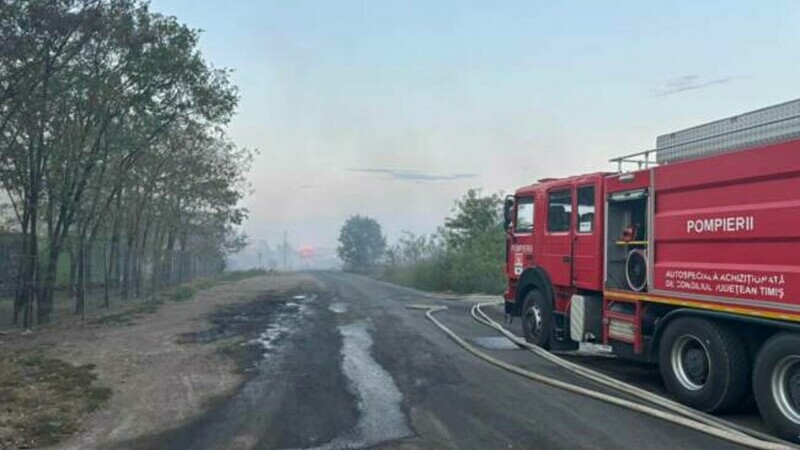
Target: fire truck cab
691,261
555,243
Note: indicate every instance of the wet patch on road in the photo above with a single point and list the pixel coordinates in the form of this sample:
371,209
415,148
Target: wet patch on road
380,418
294,395
246,319
284,320
338,307
494,343
254,328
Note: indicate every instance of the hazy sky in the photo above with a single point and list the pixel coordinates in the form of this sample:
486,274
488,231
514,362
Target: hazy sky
394,108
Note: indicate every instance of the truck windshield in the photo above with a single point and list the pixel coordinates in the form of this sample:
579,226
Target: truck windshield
525,212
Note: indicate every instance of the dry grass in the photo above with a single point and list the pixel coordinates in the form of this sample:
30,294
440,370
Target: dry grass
182,293
130,314
43,400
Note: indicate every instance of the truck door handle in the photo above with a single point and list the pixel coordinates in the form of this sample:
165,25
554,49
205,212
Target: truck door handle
567,259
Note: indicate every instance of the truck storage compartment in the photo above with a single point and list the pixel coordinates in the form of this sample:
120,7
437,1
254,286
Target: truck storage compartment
626,240
727,228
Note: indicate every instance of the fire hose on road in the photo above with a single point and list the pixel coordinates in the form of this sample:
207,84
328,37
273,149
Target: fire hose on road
670,411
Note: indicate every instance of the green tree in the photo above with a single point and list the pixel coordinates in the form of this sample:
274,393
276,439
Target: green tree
111,134
474,216
361,242
474,240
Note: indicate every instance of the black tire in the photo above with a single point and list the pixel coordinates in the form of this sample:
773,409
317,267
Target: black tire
782,417
704,364
537,330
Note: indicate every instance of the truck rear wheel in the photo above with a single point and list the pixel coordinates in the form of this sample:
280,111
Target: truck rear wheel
537,319
776,384
704,364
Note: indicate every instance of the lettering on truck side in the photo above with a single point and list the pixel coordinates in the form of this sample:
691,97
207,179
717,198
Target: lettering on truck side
771,286
721,224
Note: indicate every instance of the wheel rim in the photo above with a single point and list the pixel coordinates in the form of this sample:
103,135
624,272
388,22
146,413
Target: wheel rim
534,317
691,363
786,387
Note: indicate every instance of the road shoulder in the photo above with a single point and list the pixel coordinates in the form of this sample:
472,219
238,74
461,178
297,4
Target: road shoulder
159,380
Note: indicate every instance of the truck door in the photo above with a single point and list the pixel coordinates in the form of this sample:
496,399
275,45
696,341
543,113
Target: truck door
557,241
520,254
586,252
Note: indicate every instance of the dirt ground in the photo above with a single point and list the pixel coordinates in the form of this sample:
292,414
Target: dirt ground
158,380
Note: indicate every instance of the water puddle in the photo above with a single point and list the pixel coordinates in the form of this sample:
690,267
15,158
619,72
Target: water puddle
262,323
381,418
495,343
266,328
338,308
589,349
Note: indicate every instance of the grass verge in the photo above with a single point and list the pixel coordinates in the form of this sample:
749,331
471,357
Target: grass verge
130,314
238,275
180,293
44,400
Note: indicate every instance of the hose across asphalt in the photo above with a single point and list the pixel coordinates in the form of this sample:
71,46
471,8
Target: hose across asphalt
605,380
672,412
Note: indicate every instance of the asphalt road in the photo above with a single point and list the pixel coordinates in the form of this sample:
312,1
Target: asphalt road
351,367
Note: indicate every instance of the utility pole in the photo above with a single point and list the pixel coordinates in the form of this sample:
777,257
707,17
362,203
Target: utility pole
285,249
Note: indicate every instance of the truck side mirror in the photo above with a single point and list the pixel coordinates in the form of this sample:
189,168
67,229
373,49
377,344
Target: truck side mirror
507,205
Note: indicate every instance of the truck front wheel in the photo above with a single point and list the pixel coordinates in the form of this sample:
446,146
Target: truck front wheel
776,385
704,364
537,319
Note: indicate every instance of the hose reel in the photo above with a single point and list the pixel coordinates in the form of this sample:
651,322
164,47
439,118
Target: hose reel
636,269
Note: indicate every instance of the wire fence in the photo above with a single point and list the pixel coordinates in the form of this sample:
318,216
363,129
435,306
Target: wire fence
10,252
108,279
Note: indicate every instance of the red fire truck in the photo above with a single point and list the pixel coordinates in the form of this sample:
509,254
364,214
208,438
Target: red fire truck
690,261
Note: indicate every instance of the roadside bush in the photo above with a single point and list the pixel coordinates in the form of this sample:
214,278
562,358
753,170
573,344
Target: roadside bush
466,255
237,275
205,283
476,268
183,293
424,274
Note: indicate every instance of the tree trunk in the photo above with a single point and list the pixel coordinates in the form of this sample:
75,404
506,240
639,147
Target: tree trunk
135,271
73,270
113,257
19,291
155,272
30,279
80,305
169,259
106,273
140,258
126,272
182,271
47,284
